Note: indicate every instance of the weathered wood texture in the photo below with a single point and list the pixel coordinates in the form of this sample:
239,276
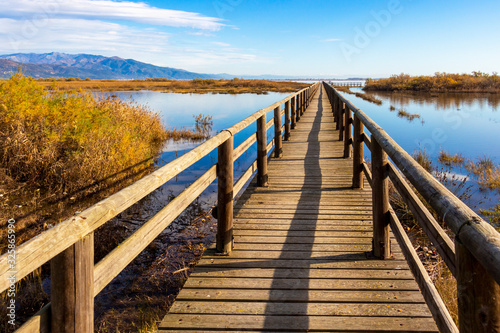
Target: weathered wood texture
299,261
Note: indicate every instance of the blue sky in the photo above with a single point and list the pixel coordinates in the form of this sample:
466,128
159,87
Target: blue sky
309,38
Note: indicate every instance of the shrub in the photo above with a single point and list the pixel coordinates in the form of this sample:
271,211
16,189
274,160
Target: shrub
64,140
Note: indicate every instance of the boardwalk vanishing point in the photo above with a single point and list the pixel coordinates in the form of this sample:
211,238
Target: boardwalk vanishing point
301,252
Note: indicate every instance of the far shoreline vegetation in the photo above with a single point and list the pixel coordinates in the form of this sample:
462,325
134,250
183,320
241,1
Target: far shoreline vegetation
198,86
477,82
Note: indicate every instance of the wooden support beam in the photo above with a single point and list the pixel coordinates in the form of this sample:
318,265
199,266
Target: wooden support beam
341,120
262,151
287,120
299,97
478,295
347,133
358,152
278,148
380,197
72,288
292,111
225,197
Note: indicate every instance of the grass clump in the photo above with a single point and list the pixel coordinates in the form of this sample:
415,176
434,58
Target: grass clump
448,159
369,98
423,158
63,140
493,216
409,116
487,172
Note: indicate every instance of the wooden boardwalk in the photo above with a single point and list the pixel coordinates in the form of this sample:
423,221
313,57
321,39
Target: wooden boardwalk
300,259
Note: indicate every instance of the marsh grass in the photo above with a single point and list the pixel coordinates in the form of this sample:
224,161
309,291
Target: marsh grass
440,82
406,115
199,86
448,159
366,97
369,98
487,172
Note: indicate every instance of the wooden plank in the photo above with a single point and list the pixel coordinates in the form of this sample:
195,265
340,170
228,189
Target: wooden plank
295,284
304,273
302,309
313,296
310,263
298,323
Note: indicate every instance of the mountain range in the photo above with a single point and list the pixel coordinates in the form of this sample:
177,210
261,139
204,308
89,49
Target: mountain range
63,65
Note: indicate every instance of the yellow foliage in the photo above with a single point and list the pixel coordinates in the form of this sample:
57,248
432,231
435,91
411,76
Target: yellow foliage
64,140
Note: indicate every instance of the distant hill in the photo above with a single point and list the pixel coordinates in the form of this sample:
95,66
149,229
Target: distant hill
63,65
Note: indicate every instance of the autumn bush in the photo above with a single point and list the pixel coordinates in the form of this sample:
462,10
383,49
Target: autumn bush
59,141
440,82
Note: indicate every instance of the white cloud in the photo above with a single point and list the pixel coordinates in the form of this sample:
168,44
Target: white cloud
332,40
76,35
221,44
107,10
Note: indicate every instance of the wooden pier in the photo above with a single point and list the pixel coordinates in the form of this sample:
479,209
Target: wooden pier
301,257
312,245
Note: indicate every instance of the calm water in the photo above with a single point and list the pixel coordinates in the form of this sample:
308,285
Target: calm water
468,124
178,110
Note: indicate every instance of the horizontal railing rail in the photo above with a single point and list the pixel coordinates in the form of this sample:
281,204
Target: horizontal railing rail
75,280
474,255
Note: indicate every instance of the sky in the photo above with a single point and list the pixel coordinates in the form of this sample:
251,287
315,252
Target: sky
314,38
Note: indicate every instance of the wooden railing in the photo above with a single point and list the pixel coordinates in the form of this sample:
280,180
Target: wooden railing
474,255
69,246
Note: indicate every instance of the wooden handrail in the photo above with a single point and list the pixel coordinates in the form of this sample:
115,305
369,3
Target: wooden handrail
72,234
476,265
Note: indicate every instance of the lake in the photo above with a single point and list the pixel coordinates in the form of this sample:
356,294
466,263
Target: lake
468,124
459,123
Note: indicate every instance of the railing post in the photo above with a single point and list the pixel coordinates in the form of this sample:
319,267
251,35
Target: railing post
478,294
72,288
341,120
358,151
338,112
261,151
299,97
278,146
347,132
225,197
380,197
287,120
335,106
293,115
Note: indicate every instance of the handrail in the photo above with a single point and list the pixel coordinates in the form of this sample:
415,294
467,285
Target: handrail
474,258
71,241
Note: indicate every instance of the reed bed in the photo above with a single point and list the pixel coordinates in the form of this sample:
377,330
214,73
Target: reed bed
200,86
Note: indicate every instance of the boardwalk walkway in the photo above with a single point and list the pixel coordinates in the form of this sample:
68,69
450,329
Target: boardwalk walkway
300,262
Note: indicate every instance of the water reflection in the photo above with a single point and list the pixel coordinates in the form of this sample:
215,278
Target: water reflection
440,101
459,123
